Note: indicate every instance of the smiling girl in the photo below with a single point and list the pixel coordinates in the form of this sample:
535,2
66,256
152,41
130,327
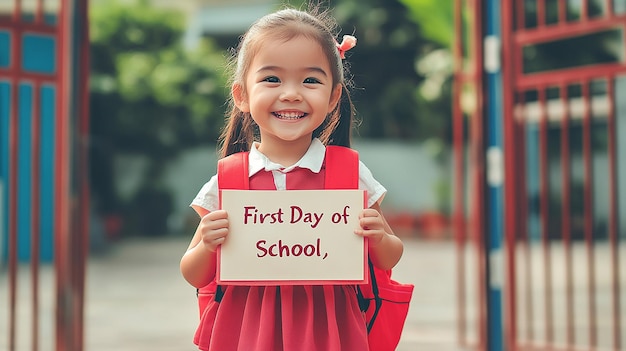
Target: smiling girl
289,101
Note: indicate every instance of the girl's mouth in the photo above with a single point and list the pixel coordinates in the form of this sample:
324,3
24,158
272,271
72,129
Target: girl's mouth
289,115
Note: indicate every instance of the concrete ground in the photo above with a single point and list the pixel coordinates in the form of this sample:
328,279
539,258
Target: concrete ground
136,299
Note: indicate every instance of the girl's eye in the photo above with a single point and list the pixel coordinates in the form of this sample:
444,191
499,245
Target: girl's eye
311,80
271,79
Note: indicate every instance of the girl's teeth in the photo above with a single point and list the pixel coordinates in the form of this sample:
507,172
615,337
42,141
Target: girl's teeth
289,115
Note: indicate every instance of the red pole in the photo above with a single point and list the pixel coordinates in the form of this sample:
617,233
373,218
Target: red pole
82,132
584,11
588,209
545,213
477,176
613,216
566,215
12,218
61,176
12,183
35,215
528,274
541,13
459,174
511,177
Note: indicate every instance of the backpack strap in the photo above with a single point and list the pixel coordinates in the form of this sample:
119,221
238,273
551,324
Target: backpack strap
342,168
232,172
342,172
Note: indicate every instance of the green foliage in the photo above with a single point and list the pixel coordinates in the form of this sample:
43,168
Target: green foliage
150,96
435,19
150,91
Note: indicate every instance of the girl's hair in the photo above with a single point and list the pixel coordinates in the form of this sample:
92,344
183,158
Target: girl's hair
240,130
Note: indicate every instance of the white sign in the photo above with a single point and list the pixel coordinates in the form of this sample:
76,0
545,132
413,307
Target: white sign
292,237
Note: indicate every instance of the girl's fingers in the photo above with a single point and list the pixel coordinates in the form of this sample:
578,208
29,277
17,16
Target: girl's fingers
369,212
371,223
218,214
215,225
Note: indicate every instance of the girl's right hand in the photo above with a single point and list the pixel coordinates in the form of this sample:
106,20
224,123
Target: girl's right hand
214,229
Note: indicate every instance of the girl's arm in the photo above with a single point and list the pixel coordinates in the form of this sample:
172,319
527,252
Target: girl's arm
384,247
198,263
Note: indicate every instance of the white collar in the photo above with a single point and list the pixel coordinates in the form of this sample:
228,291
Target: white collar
312,159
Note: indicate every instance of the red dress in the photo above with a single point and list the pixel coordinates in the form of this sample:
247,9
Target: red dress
276,318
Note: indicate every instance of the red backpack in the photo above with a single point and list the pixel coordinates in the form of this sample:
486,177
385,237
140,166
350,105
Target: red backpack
384,301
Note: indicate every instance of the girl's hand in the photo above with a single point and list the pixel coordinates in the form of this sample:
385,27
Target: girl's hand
372,226
214,229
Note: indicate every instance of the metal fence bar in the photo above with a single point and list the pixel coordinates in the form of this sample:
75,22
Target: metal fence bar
562,12
584,10
35,215
566,214
62,229
541,13
12,183
459,175
12,217
613,215
71,229
511,224
477,174
520,15
610,11
588,210
525,237
562,75
82,165
545,213
513,17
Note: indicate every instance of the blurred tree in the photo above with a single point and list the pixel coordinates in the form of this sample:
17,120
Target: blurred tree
149,97
388,75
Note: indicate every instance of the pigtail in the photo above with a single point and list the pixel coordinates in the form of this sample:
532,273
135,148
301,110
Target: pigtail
237,135
341,132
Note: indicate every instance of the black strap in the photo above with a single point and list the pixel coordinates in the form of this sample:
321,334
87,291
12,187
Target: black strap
377,300
364,303
219,293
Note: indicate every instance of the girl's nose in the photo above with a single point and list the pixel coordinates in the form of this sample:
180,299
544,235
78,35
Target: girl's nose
290,93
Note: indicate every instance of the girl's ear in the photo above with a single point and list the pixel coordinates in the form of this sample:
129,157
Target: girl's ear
239,98
334,98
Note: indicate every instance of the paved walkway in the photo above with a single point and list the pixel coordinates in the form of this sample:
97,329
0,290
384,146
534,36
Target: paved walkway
136,299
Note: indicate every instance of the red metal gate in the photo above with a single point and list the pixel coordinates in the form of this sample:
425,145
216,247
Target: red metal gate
562,229
43,110
564,117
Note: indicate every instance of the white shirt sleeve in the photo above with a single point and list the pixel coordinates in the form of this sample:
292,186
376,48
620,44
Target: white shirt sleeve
208,196
375,191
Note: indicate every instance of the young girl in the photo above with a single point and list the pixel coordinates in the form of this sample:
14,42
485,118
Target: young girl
289,100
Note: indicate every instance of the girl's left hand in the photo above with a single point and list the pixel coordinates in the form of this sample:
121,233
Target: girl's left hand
372,226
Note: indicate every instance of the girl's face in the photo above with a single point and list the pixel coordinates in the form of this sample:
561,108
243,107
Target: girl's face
289,90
